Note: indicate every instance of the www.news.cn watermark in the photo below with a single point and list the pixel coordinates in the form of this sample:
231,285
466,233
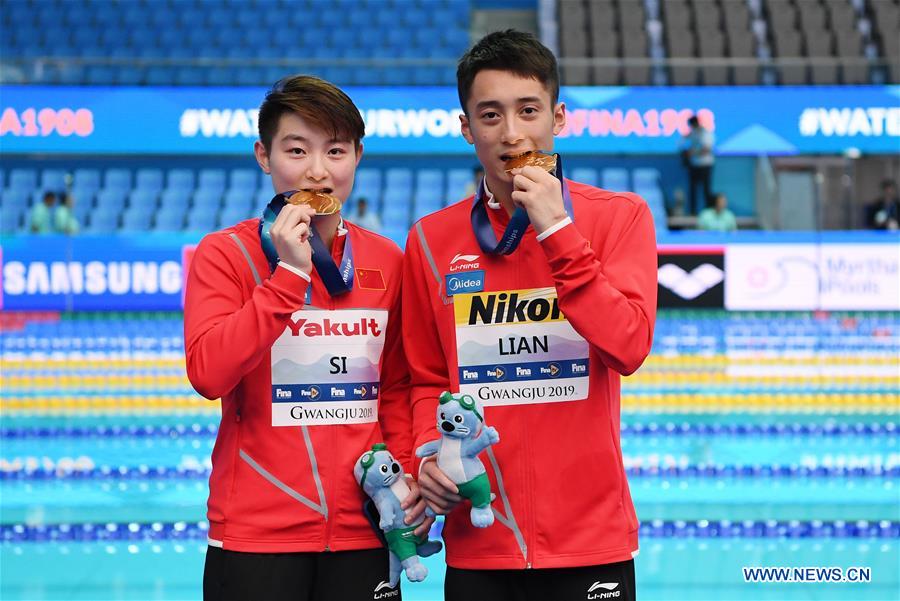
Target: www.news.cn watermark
816,574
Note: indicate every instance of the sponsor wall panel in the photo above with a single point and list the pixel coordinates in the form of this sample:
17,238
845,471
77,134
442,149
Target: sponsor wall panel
812,277
851,271
691,277
403,120
93,273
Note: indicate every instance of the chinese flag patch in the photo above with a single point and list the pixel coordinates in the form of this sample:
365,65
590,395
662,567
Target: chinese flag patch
370,279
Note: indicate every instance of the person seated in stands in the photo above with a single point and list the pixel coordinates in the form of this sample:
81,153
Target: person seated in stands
364,218
884,212
42,215
717,218
64,221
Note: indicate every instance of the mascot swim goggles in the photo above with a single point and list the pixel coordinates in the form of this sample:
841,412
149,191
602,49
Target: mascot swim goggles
368,459
466,401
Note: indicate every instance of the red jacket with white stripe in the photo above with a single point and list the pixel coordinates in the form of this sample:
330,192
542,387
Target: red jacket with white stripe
562,498
286,488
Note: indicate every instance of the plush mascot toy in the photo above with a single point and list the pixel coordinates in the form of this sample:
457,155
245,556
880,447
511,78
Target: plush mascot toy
460,421
381,477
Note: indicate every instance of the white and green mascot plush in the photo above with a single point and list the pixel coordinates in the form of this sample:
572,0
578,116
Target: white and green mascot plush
381,477
460,421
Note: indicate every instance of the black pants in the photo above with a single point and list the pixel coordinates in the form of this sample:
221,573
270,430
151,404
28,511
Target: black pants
614,581
699,177
343,576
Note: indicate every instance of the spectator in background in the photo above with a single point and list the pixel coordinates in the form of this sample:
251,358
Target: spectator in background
697,155
64,221
363,218
42,215
884,212
717,218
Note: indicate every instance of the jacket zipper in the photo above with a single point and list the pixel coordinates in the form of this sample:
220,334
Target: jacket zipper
529,506
328,489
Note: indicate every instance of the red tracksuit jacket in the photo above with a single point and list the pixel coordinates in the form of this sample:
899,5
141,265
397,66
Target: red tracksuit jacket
562,498
289,488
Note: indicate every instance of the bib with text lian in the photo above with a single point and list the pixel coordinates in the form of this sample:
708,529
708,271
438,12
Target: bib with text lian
516,347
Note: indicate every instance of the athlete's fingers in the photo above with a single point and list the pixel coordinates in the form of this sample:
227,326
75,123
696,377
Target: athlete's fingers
300,232
423,528
413,496
432,470
414,513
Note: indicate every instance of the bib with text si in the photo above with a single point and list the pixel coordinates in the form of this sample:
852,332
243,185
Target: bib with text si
326,368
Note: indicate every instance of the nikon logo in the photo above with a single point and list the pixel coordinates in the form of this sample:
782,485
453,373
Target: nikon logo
508,308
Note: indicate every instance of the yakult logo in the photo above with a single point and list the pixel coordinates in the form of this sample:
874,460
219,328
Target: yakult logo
328,327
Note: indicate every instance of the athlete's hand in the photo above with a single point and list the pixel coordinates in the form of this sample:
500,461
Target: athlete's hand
439,491
414,506
290,235
540,194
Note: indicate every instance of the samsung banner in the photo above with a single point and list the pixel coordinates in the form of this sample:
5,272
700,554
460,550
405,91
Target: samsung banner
600,120
756,271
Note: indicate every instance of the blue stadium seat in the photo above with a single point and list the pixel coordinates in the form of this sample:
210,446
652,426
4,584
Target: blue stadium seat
103,221
53,179
397,234
190,76
127,75
86,179
137,219
398,179
212,179
657,207
101,75
430,178
232,215
175,199
646,178
144,199
180,179
200,220
208,200
238,198
23,178
243,179
585,175
118,178
615,179
459,182
159,75
111,199
149,179
169,219
221,76
263,197
10,219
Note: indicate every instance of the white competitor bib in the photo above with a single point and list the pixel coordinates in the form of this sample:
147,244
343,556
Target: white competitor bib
326,368
515,347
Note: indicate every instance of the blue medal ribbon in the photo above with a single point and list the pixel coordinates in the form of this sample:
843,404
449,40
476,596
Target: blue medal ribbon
337,280
518,223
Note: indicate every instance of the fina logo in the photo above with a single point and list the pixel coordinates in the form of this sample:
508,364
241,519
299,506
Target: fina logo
690,285
609,587
461,283
384,584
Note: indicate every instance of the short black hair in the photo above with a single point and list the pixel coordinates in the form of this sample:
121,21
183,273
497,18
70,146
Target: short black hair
319,102
888,183
49,194
510,50
693,121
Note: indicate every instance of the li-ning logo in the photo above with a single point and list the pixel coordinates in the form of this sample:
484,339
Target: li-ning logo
609,590
463,262
384,584
689,285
